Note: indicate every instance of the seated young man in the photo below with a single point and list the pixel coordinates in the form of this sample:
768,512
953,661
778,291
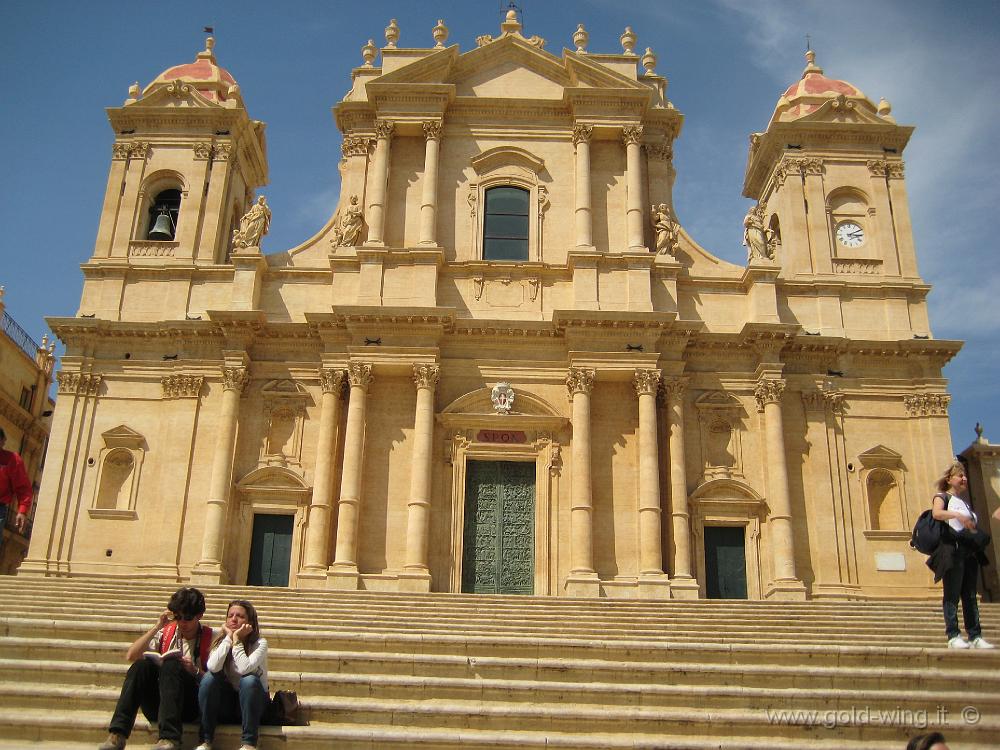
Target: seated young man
167,692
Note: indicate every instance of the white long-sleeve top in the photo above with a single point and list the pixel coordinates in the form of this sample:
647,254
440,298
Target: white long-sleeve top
233,659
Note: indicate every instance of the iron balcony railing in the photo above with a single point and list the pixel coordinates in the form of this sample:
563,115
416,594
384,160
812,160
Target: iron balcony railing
19,336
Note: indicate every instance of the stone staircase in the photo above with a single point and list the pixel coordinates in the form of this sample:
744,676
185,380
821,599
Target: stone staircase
377,670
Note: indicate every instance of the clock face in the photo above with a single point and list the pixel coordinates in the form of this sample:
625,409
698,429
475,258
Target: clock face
850,234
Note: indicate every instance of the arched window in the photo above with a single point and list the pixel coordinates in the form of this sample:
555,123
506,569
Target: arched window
505,229
167,204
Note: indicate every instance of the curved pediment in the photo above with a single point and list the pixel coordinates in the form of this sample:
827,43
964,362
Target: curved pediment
726,490
502,156
272,479
480,402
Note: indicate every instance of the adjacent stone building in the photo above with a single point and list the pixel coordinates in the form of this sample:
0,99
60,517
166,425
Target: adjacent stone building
503,365
25,408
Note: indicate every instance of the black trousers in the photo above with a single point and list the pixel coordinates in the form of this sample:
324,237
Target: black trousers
960,584
166,694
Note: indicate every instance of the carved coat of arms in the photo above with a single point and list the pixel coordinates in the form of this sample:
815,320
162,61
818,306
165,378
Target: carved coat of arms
503,398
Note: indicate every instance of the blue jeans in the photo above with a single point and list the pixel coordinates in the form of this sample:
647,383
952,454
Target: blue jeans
221,704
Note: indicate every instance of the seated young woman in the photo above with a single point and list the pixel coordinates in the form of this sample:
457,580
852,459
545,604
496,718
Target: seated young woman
234,689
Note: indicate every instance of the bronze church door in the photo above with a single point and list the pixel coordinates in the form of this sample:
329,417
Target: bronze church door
499,540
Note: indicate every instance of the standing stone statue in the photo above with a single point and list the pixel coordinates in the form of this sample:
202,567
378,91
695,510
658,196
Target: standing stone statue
665,226
348,225
253,225
755,237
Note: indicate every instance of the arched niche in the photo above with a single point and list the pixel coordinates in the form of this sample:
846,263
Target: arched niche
119,469
883,482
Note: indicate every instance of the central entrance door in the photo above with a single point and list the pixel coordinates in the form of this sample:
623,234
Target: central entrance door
725,562
499,540
270,550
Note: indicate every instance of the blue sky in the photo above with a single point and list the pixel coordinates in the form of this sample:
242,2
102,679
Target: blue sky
62,63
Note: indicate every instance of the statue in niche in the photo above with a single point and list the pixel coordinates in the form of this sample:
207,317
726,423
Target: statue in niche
253,225
348,225
665,226
755,236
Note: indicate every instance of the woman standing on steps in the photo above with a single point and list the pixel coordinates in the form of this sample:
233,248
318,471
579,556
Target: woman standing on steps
234,690
958,557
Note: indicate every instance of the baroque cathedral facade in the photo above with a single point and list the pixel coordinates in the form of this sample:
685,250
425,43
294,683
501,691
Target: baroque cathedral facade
502,366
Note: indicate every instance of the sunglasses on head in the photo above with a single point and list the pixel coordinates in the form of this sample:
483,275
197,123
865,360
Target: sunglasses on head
185,618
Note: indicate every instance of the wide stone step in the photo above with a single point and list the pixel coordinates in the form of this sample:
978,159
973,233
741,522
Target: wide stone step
67,730
723,730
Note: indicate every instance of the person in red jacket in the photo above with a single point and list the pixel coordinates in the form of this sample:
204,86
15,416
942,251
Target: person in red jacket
15,487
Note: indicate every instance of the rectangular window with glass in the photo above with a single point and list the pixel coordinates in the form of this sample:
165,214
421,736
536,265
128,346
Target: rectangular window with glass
505,229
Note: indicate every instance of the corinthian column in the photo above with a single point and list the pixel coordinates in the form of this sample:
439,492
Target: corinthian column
582,577
380,178
680,523
584,220
633,170
417,574
428,202
344,573
318,536
209,567
650,550
786,585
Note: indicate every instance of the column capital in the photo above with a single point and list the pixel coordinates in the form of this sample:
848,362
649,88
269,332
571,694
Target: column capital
432,130
927,404
355,145
582,133
631,134
235,378
426,376
181,386
672,389
768,391
359,374
384,128
331,381
646,382
580,380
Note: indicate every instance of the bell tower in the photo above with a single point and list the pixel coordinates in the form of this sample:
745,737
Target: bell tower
828,178
186,161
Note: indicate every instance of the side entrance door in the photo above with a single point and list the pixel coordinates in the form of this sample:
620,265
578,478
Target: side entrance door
499,540
270,550
725,562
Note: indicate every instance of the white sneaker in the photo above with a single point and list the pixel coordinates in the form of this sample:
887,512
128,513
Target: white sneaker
204,746
959,642
981,643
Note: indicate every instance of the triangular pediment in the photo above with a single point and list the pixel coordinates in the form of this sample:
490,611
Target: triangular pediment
122,436
283,388
509,67
880,456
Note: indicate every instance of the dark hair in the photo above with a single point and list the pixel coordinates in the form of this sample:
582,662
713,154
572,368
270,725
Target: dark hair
925,741
251,640
187,601
3,435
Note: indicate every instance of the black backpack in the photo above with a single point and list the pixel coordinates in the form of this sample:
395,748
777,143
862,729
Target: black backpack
928,531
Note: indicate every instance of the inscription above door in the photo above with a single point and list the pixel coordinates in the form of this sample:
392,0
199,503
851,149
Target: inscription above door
499,539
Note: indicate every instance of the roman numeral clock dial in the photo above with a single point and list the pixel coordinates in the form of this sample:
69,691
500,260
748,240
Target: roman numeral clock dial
850,234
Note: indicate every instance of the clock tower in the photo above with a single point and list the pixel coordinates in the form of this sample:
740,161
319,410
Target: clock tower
828,177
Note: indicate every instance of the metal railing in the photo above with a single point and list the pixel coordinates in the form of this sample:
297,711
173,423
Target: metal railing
18,335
